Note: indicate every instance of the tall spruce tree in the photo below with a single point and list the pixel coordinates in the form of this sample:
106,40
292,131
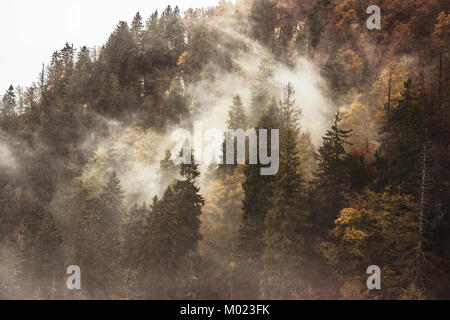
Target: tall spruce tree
42,260
8,110
402,138
96,241
286,220
237,118
172,233
258,191
132,232
331,175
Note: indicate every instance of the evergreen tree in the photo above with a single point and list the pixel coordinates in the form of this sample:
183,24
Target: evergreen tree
173,232
237,118
263,19
96,241
112,198
258,190
290,114
331,175
42,261
137,29
286,220
402,138
132,230
261,94
8,110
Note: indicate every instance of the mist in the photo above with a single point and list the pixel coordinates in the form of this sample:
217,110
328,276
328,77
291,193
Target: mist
87,177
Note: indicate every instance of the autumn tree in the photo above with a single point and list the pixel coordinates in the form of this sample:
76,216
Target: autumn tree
377,229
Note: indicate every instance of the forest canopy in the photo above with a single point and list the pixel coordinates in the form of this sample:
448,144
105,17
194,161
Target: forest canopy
87,177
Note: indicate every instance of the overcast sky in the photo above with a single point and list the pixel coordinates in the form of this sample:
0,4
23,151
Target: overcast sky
31,30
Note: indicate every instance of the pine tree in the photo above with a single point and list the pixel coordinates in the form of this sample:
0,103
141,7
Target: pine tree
258,190
261,94
112,197
132,231
284,223
152,22
286,220
96,241
237,118
290,114
42,261
8,109
173,232
263,19
402,138
137,28
331,174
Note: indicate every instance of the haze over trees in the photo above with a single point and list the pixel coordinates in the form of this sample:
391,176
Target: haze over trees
87,177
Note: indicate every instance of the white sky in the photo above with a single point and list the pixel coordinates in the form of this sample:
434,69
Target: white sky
31,30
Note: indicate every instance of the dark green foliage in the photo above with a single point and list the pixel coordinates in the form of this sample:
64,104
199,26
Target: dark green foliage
42,260
172,233
96,242
401,143
307,232
285,224
263,18
286,219
331,179
258,190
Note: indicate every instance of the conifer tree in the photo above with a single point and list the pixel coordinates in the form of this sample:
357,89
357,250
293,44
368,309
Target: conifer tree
263,18
237,118
402,138
8,109
132,231
258,191
331,174
172,233
42,260
96,241
112,198
137,30
286,220
261,95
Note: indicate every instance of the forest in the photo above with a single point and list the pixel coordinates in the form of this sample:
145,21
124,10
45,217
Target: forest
87,176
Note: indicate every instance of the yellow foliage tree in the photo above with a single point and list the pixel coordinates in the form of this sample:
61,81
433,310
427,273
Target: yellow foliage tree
377,229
